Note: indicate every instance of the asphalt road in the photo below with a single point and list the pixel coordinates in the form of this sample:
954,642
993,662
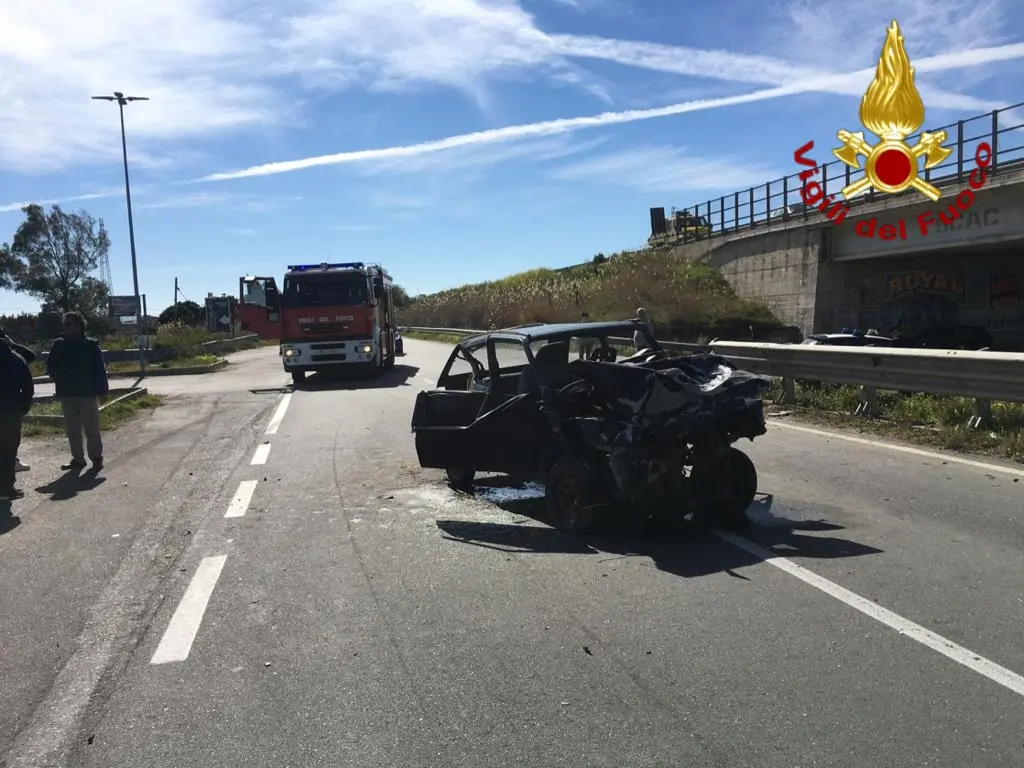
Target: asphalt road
335,605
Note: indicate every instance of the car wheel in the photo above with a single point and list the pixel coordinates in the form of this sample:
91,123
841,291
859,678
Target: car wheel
573,497
460,479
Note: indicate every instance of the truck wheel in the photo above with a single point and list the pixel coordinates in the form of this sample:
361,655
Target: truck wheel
460,479
389,361
573,497
298,377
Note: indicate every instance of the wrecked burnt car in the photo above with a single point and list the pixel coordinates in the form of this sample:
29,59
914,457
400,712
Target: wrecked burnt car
650,433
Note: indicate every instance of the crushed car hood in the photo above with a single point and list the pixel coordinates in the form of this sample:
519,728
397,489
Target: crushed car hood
681,395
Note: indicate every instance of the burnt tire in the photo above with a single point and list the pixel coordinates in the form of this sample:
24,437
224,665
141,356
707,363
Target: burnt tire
574,499
726,490
460,479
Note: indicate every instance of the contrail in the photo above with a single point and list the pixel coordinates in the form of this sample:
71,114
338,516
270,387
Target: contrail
939,63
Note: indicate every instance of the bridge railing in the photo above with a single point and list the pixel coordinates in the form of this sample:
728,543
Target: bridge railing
768,204
981,376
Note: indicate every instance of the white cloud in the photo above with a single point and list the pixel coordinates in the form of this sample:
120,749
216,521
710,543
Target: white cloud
473,160
190,59
665,169
220,66
6,207
828,83
218,200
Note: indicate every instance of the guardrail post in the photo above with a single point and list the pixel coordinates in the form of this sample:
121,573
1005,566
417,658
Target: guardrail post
982,418
868,402
788,391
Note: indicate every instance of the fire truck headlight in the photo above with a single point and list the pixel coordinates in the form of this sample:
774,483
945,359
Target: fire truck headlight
366,348
292,352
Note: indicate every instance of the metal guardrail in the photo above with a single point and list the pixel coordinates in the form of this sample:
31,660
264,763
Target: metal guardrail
766,204
981,376
220,345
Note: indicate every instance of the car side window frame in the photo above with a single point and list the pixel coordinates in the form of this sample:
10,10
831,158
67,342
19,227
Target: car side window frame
492,358
462,352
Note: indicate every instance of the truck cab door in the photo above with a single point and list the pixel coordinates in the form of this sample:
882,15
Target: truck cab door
259,306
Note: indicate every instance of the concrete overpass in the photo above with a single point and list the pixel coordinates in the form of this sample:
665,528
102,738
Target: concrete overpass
821,276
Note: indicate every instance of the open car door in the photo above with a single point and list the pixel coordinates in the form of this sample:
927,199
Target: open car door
476,419
259,306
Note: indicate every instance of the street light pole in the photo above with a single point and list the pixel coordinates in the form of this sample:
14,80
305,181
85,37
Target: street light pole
121,100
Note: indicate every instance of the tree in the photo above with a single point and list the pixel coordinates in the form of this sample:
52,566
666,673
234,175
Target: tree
52,257
399,296
187,312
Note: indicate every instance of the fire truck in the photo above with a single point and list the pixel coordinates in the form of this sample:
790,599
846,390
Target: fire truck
325,316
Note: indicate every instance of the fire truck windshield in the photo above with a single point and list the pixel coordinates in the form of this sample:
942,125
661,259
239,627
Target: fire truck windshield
325,291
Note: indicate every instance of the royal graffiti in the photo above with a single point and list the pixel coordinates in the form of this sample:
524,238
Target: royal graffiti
812,192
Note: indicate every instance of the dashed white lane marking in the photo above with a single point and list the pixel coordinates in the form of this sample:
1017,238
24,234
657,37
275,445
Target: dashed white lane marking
902,449
926,637
176,644
262,452
275,420
240,503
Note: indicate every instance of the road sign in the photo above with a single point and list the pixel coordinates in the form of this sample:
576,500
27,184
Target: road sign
123,306
218,313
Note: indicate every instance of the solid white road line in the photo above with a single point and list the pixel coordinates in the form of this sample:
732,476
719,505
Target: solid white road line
262,452
240,503
275,420
176,643
926,637
902,448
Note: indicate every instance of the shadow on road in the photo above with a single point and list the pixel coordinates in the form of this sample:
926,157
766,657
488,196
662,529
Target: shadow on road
8,520
68,485
682,549
323,381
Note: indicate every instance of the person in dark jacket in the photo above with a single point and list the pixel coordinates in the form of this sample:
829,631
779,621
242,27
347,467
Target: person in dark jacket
76,366
29,357
16,392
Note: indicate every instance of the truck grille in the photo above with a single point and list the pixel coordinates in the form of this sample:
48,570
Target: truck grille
323,329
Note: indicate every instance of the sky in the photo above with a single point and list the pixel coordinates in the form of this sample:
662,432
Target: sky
451,141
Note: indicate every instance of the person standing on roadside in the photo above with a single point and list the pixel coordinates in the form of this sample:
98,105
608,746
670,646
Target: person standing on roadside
76,366
16,393
29,357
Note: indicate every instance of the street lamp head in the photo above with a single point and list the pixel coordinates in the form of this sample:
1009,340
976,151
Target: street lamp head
120,98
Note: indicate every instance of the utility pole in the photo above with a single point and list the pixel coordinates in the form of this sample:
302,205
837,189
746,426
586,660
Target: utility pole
121,100
175,302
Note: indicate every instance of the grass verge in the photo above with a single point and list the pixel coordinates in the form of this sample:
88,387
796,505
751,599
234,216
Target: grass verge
685,300
933,421
110,418
183,362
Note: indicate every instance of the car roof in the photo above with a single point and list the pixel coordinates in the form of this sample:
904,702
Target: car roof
541,331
